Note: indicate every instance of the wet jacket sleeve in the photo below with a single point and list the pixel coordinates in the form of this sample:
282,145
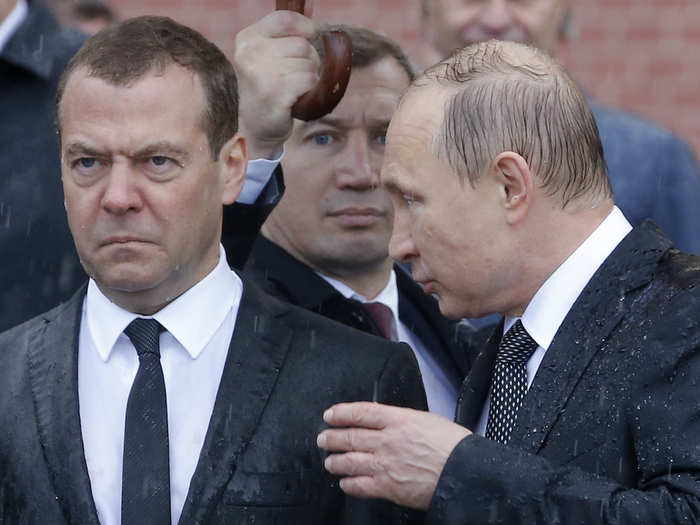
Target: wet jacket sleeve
242,222
657,434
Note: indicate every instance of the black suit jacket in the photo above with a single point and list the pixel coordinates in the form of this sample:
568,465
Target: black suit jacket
282,275
39,266
259,463
609,432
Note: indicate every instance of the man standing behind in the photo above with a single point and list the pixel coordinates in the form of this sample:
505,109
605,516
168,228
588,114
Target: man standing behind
325,245
653,173
168,389
583,406
39,267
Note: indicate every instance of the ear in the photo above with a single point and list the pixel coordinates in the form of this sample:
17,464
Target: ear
516,185
233,164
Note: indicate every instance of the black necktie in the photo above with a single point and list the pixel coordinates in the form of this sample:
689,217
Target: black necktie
509,383
382,315
146,469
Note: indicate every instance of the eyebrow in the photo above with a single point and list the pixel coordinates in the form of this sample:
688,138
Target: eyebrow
341,123
163,147
391,185
80,148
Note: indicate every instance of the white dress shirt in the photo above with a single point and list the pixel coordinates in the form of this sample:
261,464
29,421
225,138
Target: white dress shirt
257,176
442,396
193,350
12,21
552,302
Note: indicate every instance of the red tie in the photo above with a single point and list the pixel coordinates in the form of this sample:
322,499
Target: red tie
382,315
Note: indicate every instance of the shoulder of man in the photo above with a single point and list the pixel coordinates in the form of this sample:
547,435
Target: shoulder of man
630,132
18,337
334,349
41,44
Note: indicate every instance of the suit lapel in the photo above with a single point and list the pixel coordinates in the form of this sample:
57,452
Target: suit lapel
476,386
53,373
597,311
256,354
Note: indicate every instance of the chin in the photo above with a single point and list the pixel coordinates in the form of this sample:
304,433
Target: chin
127,280
456,310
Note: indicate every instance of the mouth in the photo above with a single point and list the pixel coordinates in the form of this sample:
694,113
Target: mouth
354,216
121,239
427,284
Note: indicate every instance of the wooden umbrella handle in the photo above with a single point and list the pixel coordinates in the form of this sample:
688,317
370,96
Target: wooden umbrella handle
335,71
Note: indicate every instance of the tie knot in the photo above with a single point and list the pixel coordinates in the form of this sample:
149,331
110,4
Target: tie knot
516,346
382,315
145,335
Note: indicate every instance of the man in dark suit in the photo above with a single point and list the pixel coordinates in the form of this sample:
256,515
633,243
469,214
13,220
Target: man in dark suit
665,184
169,389
583,408
39,266
325,246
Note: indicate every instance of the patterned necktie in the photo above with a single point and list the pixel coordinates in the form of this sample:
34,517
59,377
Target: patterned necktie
382,315
146,468
509,383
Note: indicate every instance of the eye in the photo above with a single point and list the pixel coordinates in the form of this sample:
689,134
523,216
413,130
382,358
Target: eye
160,165
87,165
86,170
158,160
322,139
408,199
381,138
86,162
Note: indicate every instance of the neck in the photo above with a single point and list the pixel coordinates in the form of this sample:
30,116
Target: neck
369,282
552,242
367,277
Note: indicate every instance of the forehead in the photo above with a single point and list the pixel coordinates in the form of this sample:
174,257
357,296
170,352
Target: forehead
172,97
372,93
412,133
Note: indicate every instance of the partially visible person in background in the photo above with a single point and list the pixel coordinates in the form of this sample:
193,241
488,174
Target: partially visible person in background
87,16
654,173
39,267
325,246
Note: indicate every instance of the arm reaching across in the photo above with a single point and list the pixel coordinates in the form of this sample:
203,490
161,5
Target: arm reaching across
388,452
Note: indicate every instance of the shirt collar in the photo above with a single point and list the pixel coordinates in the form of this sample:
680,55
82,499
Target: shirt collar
389,296
192,318
12,21
552,302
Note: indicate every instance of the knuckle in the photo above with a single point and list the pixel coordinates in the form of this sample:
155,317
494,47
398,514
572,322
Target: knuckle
286,20
352,438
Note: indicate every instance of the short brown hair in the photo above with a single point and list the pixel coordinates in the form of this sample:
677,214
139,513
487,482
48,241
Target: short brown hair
512,97
123,53
368,47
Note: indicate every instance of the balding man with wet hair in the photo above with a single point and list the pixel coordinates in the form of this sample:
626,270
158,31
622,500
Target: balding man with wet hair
653,172
583,406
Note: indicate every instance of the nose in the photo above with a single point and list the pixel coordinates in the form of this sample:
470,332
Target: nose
357,166
402,247
120,193
496,16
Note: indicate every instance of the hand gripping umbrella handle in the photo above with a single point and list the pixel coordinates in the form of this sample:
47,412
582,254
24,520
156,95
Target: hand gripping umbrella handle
335,71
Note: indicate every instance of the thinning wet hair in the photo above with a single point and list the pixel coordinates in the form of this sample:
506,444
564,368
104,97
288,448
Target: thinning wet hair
512,97
126,52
